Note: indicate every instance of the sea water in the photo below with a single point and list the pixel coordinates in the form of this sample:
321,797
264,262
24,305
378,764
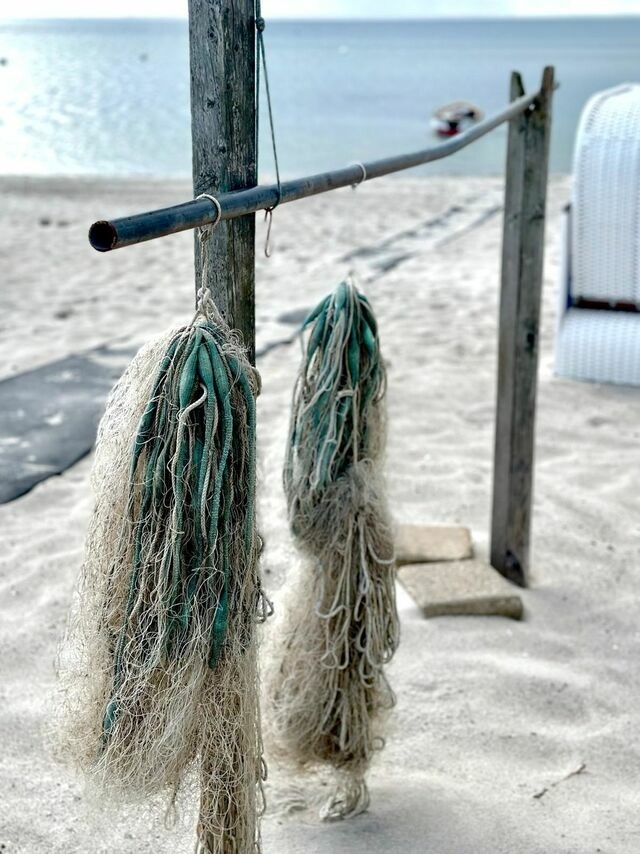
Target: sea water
112,97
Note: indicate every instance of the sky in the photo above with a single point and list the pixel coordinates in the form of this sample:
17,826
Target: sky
326,8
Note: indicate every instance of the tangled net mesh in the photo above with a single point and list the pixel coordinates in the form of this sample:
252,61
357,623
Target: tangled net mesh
158,668
327,690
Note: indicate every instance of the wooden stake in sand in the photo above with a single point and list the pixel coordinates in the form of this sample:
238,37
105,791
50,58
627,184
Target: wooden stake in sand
222,44
520,300
329,690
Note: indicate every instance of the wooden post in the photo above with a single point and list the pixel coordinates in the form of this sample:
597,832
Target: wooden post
520,298
222,44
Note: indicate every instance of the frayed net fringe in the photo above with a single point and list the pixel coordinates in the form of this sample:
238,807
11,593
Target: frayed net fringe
328,691
159,668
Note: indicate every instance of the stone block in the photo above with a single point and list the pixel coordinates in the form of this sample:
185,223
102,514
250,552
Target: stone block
427,543
460,587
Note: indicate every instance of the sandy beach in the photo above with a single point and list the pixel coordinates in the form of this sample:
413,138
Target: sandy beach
508,738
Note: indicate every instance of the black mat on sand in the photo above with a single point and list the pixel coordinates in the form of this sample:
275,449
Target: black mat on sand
49,416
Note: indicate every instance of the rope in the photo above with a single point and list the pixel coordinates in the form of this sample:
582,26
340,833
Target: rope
205,305
353,275
205,231
364,173
262,59
211,225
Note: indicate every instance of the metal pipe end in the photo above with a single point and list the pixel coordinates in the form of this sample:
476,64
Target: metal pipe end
103,236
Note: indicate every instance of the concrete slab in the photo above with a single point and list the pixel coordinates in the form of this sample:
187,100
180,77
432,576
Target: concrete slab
426,543
464,587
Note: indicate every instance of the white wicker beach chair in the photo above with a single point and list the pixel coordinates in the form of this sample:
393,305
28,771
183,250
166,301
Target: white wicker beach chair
598,334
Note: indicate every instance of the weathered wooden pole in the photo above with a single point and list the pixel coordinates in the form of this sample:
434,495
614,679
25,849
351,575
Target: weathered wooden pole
520,298
222,43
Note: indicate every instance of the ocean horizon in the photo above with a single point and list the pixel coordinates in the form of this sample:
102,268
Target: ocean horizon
111,96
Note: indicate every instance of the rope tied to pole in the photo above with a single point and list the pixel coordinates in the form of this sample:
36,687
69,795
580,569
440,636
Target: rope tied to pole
205,305
262,60
363,168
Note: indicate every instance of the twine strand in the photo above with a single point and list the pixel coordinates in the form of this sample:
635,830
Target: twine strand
205,306
363,168
262,60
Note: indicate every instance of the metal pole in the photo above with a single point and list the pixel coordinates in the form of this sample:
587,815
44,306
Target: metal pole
106,235
521,294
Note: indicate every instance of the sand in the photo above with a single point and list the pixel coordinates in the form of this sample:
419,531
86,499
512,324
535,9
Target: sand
493,717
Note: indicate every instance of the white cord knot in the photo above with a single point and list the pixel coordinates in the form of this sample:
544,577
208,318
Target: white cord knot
363,169
205,305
